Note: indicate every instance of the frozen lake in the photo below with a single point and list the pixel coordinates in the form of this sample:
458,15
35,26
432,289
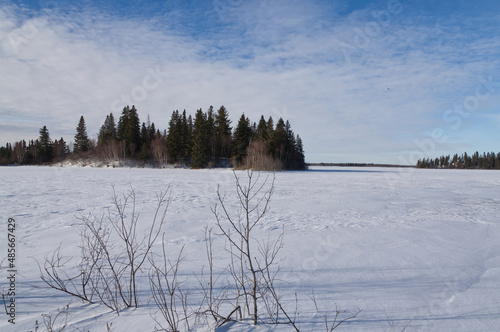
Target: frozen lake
400,244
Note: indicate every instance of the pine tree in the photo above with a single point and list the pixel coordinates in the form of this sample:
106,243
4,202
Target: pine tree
82,142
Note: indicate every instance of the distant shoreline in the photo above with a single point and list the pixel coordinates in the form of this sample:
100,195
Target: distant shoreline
358,165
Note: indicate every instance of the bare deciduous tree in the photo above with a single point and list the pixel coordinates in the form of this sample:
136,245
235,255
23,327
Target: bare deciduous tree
159,150
20,151
252,261
258,158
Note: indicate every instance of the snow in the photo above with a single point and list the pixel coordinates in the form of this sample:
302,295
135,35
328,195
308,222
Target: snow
400,244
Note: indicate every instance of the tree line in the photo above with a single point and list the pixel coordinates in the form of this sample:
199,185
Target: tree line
200,141
476,160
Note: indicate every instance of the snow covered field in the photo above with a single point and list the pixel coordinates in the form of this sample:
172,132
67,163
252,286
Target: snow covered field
400,244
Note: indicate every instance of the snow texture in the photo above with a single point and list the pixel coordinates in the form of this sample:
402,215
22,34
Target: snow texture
400,244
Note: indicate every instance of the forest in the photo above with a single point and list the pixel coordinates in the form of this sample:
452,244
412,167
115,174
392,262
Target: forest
204,140
476,160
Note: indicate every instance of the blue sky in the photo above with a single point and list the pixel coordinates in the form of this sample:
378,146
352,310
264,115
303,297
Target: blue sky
361,81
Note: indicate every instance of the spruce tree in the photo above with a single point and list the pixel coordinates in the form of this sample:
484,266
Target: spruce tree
211,134
82,142
144,142
279,140
270,135
107,133
261,133
300,157
222,133
6,154
189,139
129,130
135,130
183,129
242,136
173,139
63,149
199,155
45,146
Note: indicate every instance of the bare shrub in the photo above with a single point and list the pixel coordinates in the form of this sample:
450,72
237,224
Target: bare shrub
167,293
55,321
112,255
339,316
55,275
214,287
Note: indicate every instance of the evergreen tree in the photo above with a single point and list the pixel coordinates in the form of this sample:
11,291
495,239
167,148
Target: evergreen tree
261,133
300,157
279,140
270,137
222,133
242,136
45,145
135,131
129,130
174,137
60,148
152,132
189,139
144,142
211,134
6,154
199,155
82,142
147,133
184,148
107,133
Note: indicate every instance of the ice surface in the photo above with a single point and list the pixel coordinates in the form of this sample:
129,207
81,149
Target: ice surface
400,244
